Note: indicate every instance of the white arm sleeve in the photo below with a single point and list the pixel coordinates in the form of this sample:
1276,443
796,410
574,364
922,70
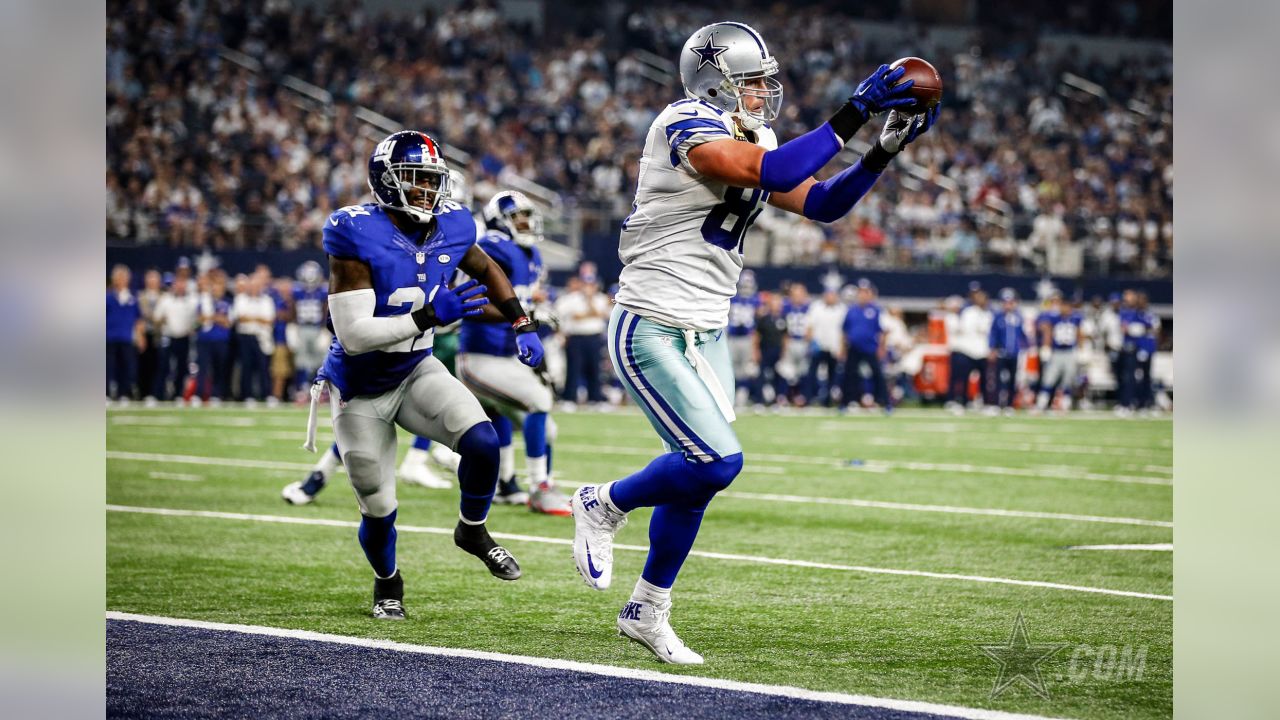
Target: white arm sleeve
359,331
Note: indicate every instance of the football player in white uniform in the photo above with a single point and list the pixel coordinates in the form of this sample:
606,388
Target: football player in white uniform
710,162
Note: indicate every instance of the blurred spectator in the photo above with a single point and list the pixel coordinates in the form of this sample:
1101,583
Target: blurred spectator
1141,332
969,349
826,335
213,342
125,335
795,350
176,314
281,356
584,316
1007,340
865,350
771,329
149,355
254,314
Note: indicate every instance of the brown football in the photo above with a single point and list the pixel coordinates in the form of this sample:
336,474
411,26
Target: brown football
928,87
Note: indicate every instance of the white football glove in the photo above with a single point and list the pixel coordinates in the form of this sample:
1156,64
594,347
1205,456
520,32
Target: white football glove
900,129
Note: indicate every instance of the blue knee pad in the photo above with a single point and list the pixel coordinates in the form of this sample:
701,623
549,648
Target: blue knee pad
478,470
717,474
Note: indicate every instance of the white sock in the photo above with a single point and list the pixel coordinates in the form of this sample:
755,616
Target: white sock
506,462
327,463
647,592
602,492
1042,402
537,470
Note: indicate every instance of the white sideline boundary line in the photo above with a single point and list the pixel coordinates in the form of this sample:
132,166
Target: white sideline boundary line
1156,547
741,495
785,691
757,559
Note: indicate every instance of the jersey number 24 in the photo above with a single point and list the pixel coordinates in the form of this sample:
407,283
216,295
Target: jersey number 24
726,225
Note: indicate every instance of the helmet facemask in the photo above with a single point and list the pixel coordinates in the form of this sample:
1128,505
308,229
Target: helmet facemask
760,85
525,225
422,188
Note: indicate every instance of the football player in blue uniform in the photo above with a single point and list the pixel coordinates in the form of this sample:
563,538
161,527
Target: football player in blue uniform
310,308
389,266
1059,336
487,358
744,344
1141,329
1007,340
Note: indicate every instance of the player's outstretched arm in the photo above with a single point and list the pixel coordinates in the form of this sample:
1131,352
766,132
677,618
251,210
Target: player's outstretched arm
831,199
352,304
784,168
478,264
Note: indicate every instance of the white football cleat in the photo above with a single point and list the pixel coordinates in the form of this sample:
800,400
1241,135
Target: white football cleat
650,625
594,527
444,457
417,473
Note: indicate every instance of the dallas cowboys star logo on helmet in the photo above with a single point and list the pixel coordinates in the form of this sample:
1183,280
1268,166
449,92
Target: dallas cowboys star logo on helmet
708,53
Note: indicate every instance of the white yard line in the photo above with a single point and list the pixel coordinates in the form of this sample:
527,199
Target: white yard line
786,691
756,559
741,495
1039,448
882,466
181,477
1156,547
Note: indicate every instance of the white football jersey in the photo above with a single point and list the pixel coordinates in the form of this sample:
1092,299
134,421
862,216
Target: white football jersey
681,247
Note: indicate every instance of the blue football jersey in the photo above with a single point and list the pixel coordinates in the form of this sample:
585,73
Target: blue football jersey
405,276
742,314
309,304
1064,330
1139,329
523,267
797,317
862,327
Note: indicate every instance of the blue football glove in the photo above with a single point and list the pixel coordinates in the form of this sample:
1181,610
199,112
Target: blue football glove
448,305
900,128
529,347
878,93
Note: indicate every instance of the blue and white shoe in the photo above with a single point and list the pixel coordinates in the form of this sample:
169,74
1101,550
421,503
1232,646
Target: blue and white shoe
302,493
650,625
594,527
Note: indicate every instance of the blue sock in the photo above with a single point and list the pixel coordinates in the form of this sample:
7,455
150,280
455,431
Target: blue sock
502,426
478,471
674,478
422,443
672,530
334,449
535,434
378,538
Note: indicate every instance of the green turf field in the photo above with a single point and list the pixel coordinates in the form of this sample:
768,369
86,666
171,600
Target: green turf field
859,495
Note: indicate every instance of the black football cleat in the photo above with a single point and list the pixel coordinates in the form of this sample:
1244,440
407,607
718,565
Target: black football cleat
388,597
475,540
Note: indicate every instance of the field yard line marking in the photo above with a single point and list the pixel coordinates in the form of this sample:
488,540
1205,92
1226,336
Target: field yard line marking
795,693
758,559
181,477
743,495
885,465
1049,448
1158,547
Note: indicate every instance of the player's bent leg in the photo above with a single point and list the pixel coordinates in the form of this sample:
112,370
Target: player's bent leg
305,491
477,477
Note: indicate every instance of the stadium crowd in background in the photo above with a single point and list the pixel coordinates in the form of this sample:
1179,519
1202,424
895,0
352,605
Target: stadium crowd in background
1022,176
198,337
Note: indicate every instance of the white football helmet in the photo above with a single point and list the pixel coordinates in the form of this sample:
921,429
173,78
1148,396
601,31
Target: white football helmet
726,63
513,213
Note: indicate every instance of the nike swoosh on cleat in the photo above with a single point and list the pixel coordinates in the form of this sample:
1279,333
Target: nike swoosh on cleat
590,567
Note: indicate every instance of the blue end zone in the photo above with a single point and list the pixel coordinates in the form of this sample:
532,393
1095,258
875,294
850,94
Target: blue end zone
163,671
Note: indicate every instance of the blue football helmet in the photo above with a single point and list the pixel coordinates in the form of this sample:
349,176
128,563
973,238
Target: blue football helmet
407,172
513,213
